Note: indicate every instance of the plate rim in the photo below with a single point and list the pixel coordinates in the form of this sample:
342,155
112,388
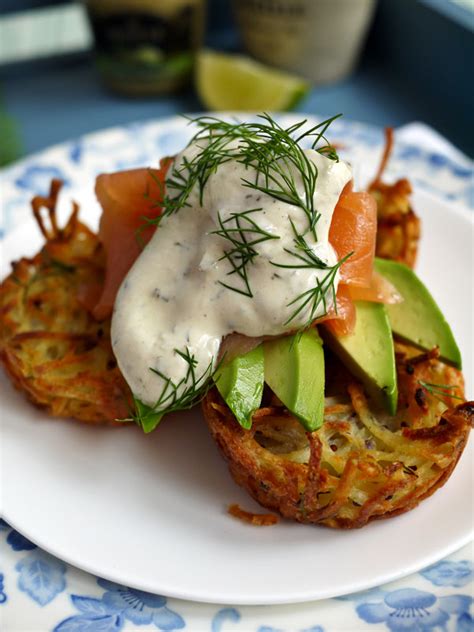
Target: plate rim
303,598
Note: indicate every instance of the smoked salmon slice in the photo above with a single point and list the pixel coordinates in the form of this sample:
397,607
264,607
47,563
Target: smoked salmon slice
353,230
342,322
128,200
379,291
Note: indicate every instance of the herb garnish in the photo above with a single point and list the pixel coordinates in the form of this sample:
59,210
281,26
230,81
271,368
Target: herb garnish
174,396
316,296
243,233
270,149
440,391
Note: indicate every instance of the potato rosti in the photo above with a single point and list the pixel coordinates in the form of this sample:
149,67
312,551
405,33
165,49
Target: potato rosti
361,464
398,227
51,347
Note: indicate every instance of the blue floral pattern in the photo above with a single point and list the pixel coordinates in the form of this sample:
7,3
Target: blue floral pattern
3,596
94,617
410,609
41,576
76,151
226,614
18,542
447,573
118,605
37,178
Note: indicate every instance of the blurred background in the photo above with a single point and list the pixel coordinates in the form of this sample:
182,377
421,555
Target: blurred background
68,68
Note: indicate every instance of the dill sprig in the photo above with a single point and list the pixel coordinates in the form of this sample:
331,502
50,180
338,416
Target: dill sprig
174,396
311,300
270,149
316,296
319,131
303,252
276,155
214,137
440,391
243,234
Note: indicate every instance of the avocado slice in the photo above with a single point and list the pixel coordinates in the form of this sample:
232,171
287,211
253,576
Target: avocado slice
240,382
294,370
418,318
368,353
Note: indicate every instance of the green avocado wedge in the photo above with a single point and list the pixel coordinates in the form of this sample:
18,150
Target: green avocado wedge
368,353
240,383
294,370
418,319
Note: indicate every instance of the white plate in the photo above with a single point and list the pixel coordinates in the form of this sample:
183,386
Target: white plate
150,511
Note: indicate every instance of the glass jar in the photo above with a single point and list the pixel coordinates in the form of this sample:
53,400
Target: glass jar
318,39
146,46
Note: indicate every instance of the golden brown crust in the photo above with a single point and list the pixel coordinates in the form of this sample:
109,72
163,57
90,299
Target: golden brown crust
398,227
360,465
51,347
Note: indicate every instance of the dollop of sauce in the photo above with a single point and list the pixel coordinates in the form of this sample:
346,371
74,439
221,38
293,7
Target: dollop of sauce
184,294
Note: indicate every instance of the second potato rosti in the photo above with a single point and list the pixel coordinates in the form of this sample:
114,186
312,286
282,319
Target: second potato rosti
50,345
362,464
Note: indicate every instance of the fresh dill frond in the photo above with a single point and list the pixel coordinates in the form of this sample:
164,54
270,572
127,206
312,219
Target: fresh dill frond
243,234
174,396
214,137
266,146
440,391
318,131
303,252
276,157
313,298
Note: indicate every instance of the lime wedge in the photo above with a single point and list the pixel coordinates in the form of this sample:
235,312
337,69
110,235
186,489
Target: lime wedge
235,82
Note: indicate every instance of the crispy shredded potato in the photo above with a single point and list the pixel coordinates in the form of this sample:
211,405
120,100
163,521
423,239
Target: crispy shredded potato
256,519
362,464
51,347
398,228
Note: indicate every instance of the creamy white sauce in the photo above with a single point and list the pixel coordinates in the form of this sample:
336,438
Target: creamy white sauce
173,298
